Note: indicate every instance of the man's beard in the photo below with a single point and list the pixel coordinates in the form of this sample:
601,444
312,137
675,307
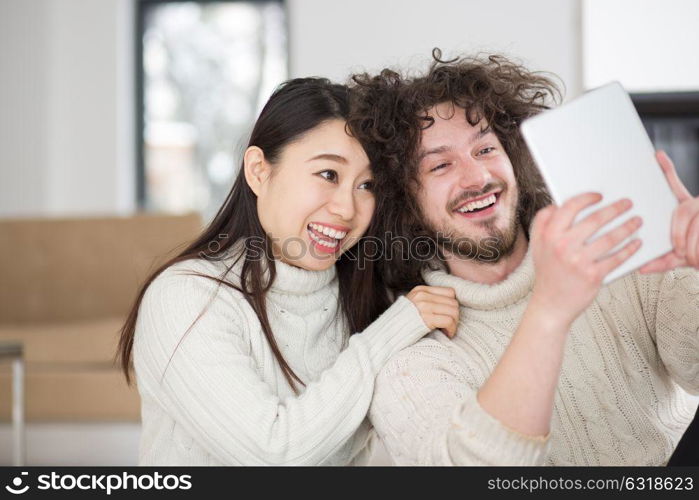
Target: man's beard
489,249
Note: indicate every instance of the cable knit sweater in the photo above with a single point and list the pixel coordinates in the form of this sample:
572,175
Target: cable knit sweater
620,397
223,399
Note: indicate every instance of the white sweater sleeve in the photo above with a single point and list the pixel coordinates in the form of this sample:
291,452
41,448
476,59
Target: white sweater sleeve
427,414
671,307
212,388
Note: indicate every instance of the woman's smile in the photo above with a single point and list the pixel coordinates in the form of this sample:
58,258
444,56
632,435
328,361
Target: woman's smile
327,238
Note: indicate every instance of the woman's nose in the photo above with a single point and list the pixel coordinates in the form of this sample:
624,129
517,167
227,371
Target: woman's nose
342,203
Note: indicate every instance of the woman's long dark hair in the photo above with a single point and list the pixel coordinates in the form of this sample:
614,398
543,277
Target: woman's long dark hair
296,107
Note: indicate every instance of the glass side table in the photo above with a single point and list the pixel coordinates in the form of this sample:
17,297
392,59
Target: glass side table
13,351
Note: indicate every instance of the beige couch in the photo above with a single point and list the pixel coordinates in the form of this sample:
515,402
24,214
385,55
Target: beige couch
66,286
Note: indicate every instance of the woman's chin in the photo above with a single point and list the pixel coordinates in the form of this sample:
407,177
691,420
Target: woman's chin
322,265
314,260
319,257
311,263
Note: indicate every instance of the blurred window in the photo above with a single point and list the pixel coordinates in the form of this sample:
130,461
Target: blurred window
206,69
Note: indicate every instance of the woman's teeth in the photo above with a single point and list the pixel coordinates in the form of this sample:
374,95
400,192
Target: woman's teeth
474,205
326,231
329,244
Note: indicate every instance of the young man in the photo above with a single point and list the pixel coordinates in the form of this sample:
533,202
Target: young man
547,366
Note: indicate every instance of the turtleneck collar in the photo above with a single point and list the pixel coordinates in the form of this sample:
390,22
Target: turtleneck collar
292,280
487,297
289,279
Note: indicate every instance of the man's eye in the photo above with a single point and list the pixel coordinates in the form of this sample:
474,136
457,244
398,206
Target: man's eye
440,166
485,151
329,175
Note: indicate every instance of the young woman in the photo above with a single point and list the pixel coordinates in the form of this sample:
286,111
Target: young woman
242,344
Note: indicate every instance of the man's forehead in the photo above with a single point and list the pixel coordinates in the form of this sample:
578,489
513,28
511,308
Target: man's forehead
447,126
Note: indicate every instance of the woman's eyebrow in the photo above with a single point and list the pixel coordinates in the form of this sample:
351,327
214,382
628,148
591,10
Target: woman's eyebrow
329,156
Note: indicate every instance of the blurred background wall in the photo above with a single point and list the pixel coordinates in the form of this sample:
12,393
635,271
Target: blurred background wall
67,66
67,92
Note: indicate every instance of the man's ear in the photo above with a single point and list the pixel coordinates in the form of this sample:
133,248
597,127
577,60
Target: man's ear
257,170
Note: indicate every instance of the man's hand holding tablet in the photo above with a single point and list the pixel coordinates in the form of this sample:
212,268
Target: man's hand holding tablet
597,143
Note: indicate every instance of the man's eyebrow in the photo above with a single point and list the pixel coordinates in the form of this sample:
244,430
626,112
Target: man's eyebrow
433,151
481,133
443,149
329,156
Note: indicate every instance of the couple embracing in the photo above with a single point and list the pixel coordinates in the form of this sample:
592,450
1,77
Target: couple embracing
389,267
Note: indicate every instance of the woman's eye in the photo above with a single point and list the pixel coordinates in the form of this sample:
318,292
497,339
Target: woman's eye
329,175
438,167
368,185
485,151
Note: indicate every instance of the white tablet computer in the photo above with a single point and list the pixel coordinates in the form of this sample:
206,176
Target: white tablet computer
597,142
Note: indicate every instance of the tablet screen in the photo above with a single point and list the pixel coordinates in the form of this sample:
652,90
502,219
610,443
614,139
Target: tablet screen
597,142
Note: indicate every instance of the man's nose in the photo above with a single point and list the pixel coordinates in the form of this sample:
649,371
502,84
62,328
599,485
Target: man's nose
473,175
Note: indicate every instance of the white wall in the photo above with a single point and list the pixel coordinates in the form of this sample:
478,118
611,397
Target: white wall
24,89
647,45
90,112
66,78
66,107
331,38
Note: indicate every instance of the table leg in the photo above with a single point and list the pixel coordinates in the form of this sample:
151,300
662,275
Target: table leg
18,442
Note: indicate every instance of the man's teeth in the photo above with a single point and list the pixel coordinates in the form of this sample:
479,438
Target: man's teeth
327,231
477,204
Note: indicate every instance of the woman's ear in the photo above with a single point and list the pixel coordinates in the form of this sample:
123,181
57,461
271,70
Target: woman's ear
257,170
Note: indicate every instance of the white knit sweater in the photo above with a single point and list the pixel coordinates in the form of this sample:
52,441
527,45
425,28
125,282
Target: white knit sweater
619,399
223,399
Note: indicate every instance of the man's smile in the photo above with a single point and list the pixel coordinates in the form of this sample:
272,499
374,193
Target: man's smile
481,207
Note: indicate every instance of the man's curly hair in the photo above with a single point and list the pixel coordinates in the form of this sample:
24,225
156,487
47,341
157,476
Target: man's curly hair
388,112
